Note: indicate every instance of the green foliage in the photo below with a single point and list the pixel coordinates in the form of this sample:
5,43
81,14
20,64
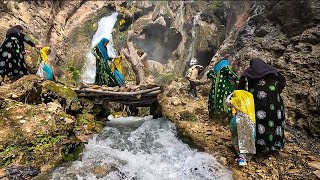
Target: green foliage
7,156
72,152
215,5
120,39
188,116
144,111
45,142
165,79
76,73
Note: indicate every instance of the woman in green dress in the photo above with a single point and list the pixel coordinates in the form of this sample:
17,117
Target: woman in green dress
221,86
104,75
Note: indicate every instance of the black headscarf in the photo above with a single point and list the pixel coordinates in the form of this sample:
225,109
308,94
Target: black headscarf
14,30
258,68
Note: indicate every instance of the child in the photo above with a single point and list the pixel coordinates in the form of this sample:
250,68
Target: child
242,125
44,70
192,75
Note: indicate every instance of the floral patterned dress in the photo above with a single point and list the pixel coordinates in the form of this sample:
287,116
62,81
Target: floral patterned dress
269,110
221,87
104,75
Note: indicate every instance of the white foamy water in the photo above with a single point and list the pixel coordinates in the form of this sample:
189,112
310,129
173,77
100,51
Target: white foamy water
105,28
142,150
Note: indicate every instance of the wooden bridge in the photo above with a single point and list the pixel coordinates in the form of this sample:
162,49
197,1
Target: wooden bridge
136,96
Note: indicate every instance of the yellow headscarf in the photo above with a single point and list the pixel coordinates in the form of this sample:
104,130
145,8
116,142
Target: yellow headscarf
117,64
44,55
243,101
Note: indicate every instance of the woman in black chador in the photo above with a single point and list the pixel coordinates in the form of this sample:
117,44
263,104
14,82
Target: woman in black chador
12,53
266,84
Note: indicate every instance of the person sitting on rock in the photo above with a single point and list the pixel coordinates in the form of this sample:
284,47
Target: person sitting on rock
12,53
242,125
192,75
104,75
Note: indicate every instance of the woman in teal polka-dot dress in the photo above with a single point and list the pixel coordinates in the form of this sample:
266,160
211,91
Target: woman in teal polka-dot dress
266,84
221,86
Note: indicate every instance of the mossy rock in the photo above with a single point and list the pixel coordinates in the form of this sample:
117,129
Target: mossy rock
188,116
87,125
165,79
66,96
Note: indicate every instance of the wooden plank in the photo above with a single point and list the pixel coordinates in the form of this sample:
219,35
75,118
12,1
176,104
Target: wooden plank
87,90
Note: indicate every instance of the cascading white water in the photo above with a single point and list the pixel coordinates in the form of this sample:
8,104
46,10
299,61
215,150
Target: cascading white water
105,28
196,19
142,150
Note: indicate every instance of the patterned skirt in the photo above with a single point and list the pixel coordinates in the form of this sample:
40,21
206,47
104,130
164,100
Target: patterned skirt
11,58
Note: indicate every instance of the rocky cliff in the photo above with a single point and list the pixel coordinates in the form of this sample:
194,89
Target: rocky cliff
284,34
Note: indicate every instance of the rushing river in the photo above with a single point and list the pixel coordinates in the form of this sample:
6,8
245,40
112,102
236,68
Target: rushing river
140,149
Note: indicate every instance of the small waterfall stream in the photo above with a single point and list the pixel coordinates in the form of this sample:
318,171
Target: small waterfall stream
194,34
141,149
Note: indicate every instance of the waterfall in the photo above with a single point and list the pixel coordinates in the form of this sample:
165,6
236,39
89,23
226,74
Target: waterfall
105,28
141,149
194,34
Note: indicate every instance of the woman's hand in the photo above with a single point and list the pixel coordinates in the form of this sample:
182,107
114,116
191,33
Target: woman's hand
38,47
27,52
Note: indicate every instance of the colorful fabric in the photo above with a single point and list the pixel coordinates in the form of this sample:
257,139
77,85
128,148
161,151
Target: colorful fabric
119,78
12,57
269,110
103,49
243,101
104,75
258,68
221,87
44,55
116,64
243,133
221,64
45,71
242,125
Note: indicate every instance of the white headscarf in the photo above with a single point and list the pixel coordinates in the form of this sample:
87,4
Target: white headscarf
193,61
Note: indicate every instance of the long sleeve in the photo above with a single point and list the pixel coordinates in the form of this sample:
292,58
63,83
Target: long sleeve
231,74
242,83
27,40
281,82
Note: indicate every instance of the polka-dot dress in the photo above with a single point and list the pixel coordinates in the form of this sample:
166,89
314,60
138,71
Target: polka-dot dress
221,87
269,111
11,58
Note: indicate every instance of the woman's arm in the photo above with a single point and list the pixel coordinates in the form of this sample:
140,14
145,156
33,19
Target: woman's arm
231,74
210,74
242,83
27,40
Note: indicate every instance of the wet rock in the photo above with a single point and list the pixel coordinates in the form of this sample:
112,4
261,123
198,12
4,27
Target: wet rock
102,171
21,172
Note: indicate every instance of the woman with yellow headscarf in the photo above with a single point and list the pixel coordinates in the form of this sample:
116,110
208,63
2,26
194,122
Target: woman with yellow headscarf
242,125
44,70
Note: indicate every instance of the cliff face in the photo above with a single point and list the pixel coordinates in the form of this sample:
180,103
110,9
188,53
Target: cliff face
286,35
65,26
